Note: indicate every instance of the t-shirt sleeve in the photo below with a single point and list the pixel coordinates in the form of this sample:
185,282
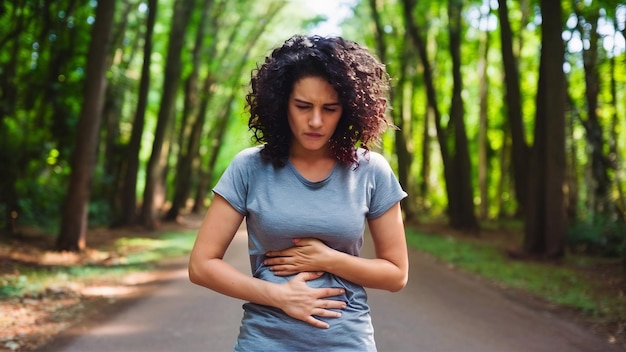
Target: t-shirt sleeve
233,184
386,189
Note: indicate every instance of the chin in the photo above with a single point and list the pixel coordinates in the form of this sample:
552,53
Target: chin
317,148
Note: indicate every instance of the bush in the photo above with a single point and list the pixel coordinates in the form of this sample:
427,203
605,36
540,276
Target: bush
603,237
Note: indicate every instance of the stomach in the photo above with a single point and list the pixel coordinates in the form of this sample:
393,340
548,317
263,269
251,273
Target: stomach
269,328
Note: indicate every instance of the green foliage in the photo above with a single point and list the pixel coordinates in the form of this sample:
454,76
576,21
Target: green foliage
602,237
148,250
12,286
41,196
43,62
33,281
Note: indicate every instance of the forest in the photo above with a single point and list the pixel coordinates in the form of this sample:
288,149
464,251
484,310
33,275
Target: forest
509,113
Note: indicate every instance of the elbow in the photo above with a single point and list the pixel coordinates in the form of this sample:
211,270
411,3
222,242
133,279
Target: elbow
201,271
193,273
398,285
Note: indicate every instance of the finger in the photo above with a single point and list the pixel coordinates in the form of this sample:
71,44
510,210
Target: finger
326,304
274,261
317,323
326,313
330,292
273,254
309,275
283,271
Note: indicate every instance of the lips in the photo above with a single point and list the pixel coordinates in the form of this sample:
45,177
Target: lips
314,135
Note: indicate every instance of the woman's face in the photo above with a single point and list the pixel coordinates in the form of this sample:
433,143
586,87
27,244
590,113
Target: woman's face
313,113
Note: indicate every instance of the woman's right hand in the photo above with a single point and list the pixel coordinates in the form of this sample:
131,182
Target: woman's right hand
302,302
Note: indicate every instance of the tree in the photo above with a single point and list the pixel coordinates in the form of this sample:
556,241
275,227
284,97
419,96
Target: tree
72,235
520,149
155,171
483,123
192,123
36,101
459,176
129,177
455,160
405,157
614,145
601,202
228,65
545,223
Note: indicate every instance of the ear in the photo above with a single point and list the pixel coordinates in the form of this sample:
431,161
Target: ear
382,106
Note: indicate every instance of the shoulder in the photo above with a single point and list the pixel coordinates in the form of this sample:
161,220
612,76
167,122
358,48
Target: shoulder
371,159
249,152
248,155
245,161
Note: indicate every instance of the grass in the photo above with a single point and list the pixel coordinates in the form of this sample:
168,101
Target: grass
561,283
149,250
130,255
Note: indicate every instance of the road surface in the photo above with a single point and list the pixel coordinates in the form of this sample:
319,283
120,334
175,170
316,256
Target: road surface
440,310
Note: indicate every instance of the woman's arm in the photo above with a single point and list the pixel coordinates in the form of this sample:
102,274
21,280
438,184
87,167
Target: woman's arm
388,271
207,268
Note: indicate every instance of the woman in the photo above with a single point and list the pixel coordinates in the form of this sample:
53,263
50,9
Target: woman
306,194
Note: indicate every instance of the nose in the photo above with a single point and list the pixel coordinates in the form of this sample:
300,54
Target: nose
315,120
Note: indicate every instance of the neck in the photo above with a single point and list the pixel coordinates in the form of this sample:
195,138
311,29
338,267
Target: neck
310,156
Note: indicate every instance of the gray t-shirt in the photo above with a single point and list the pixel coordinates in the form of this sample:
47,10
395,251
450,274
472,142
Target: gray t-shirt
280,205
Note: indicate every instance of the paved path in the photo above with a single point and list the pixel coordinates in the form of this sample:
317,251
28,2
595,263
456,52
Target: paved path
439,310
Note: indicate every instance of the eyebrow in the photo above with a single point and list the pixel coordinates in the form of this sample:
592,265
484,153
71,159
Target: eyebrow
306,102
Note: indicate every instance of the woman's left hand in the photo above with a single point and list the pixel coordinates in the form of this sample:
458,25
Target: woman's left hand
308,254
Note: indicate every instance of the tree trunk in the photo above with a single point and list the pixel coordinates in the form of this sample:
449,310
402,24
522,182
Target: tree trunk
72,235
221,125
545,224
601,184
571,178
520,149
53,101
424,184
414,33
403,153
483,126
505,166
11,155
217,136
115,153
191,130
129,194
156,165
461,201
620,204
459,190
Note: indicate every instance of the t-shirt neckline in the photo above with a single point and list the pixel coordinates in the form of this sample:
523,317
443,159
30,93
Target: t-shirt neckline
314,184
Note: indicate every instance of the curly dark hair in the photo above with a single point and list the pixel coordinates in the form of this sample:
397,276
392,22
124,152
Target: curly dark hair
360,80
